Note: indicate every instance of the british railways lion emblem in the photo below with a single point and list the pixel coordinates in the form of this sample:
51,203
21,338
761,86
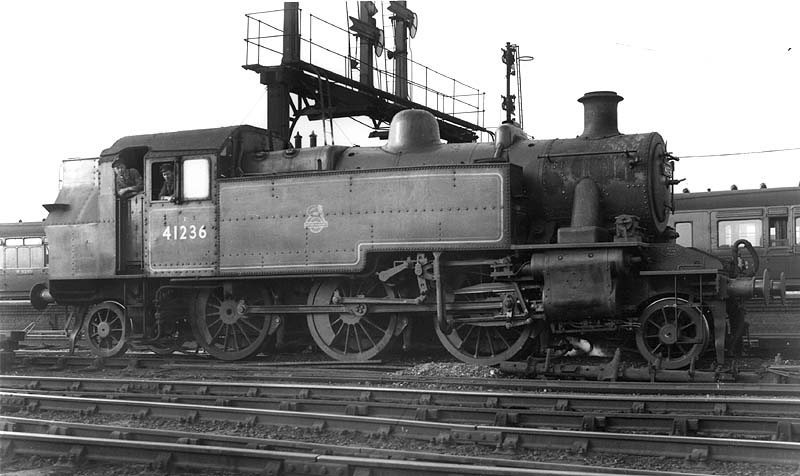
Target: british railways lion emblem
315,219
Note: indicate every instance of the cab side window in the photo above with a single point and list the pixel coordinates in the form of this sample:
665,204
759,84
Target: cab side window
196,179
164,181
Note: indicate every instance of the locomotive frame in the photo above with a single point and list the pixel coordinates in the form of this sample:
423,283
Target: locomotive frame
508,247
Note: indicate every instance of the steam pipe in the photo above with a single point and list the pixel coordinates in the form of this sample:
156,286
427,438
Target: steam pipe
586,204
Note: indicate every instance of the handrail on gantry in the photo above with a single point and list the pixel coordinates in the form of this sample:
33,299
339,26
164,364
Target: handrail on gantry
426,86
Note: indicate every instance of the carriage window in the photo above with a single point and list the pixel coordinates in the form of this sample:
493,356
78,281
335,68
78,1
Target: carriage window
24,258
733,230
797,231
33,241
37,257
11,258
14,242
196,179
684,229
778,230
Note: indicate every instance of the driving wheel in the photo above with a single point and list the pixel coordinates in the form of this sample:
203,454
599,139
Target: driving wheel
355,334
223,325
476,335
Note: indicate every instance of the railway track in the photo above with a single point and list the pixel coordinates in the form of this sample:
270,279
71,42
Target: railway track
294,456
386,374
501,421
244,394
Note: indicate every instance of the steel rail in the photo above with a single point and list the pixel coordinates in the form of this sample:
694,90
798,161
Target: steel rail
774,428
610,403
381,378
36,359
28,425
500,437
170,456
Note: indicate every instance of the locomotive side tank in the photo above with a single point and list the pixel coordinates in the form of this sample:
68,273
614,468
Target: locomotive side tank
411,195
506,247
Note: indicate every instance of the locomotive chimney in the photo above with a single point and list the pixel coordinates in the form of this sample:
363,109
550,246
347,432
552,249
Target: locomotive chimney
600,114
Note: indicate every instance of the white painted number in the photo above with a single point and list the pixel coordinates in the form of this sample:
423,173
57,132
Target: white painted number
184,232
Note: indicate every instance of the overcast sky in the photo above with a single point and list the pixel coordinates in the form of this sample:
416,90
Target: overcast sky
715,77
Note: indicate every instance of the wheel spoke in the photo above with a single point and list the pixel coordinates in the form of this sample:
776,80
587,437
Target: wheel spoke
477,343
219,329
238,326
655,349
466,337
337,324
369,322
358,340
346,338
503,338
247,323
489,339
361,326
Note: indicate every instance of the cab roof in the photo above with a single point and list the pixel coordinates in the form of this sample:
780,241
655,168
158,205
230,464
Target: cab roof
192,140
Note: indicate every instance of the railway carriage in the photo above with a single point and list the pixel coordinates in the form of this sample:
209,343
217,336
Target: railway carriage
23,259
504,248
769,218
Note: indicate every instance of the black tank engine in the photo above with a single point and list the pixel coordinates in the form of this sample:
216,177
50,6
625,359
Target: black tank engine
504,248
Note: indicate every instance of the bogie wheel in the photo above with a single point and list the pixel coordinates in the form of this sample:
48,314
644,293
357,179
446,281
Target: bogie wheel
106,328
222,325
673,331
356,335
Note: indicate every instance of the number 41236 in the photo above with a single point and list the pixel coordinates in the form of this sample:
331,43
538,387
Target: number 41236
183,232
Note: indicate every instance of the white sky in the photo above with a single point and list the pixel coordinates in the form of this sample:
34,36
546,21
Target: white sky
712,77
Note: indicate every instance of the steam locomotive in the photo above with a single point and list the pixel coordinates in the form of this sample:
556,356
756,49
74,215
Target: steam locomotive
504,248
